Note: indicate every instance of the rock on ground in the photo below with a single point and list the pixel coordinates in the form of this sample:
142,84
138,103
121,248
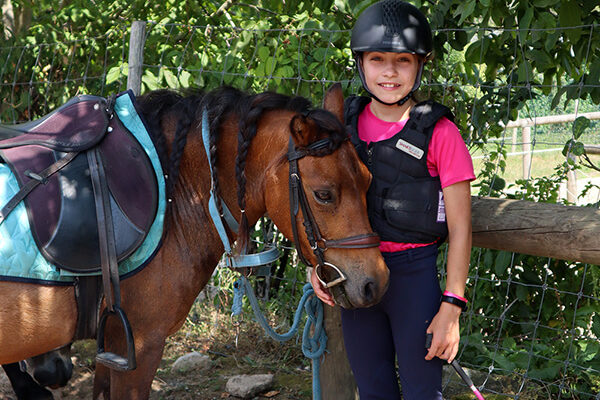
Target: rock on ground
191,361
247,386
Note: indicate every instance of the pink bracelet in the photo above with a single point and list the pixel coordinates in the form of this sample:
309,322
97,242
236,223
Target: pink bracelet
450,294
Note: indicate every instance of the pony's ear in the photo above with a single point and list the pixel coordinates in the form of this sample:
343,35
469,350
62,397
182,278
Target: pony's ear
303,130
334,101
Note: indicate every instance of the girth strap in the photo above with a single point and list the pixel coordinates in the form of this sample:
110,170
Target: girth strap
37,178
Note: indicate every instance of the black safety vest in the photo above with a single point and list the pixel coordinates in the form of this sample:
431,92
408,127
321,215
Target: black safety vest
405,202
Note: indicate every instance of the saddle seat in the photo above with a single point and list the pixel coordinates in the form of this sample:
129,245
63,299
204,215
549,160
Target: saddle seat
62,208
71,127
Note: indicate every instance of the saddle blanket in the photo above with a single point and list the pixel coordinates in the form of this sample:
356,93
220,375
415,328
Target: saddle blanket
20,259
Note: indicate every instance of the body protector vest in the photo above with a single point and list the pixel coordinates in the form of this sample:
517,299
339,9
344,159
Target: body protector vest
405,202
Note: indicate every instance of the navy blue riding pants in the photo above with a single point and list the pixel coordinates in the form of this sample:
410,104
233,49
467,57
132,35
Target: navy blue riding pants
394,330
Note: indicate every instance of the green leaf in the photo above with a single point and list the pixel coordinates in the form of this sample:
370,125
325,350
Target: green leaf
521,359
498,183
525,22
569,15
502,262
465,9
596,325
509,343
263,53
115,73
545,3
522,292
504,363
580,125
150,80
185,78
548,373
578,149
589,349
488,259
170,77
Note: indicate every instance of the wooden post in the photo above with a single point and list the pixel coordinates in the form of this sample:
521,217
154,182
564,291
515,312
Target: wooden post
136,56
515,133
572,191
337,381
526,152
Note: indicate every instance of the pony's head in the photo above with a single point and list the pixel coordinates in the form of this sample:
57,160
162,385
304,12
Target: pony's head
324,185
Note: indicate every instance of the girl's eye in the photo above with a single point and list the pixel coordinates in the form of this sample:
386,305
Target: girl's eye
323,196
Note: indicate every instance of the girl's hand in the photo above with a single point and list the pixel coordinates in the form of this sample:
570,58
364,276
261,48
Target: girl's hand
446,333
321,292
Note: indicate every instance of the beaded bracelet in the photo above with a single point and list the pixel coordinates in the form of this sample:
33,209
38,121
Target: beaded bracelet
455,299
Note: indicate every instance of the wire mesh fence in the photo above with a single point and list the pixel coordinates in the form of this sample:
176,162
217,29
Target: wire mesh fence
532,327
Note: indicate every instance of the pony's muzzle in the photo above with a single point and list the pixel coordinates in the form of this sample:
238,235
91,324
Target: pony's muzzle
329,275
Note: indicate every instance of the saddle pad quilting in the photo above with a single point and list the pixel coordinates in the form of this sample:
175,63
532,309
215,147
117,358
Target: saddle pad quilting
19,257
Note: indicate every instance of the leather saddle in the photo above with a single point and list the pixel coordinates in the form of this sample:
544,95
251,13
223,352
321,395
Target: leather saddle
62,163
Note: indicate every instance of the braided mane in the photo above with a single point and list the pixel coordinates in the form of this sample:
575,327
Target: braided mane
221,104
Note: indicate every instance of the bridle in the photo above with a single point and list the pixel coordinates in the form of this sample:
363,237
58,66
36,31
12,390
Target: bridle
318,244
298,201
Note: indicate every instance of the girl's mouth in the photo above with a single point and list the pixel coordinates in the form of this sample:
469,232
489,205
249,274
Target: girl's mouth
389,85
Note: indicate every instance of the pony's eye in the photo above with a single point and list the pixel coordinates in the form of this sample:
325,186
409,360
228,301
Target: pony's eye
323,196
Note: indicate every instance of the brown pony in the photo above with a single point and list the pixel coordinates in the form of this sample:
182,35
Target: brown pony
250,136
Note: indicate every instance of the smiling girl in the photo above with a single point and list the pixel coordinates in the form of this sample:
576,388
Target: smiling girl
419,197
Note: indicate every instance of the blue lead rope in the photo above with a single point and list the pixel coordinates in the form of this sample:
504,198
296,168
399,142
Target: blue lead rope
313,346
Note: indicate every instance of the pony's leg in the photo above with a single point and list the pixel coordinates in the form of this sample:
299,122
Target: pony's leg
101,383
23,384
129,385
136,384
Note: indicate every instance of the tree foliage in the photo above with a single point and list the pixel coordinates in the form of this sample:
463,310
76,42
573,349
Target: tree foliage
493,60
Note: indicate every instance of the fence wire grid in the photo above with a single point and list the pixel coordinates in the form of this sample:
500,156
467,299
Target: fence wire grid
531,330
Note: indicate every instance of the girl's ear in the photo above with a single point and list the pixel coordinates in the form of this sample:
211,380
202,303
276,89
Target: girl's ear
334,101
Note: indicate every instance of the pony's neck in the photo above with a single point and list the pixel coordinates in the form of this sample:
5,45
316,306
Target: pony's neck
267,151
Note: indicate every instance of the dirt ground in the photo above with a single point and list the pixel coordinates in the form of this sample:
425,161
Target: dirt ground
209,332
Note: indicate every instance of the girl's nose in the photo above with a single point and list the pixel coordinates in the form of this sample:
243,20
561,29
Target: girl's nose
389,70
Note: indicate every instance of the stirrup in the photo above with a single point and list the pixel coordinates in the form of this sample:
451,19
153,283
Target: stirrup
112,360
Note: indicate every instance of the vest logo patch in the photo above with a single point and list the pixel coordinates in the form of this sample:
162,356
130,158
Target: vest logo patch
408,148
441,213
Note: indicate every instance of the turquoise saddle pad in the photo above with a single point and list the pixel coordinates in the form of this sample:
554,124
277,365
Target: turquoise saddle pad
20,259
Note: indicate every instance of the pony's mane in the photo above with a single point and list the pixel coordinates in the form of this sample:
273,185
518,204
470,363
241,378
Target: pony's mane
224,102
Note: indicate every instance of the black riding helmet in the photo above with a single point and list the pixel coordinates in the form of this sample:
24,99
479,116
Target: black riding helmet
391,26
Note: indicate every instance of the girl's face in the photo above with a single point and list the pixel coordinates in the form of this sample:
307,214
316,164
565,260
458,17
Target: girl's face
390,76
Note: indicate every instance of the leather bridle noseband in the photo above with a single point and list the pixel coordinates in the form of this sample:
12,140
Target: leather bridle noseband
317,243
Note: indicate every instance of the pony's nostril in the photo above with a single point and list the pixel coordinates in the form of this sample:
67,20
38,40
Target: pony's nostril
369,291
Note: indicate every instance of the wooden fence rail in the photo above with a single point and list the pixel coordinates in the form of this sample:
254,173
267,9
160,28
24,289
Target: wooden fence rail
548,230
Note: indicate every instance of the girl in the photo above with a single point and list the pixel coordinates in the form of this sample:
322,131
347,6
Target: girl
419,196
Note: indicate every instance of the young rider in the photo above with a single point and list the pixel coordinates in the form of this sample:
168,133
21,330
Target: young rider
419,196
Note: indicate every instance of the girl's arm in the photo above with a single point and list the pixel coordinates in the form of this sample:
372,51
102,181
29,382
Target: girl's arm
445,324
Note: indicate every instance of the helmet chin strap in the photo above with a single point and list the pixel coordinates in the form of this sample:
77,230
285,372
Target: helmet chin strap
402,100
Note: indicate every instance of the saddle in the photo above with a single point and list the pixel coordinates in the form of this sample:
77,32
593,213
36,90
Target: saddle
91,196
54,159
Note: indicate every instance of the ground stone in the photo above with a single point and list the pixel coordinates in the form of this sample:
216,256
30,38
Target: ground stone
191,361
247,386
